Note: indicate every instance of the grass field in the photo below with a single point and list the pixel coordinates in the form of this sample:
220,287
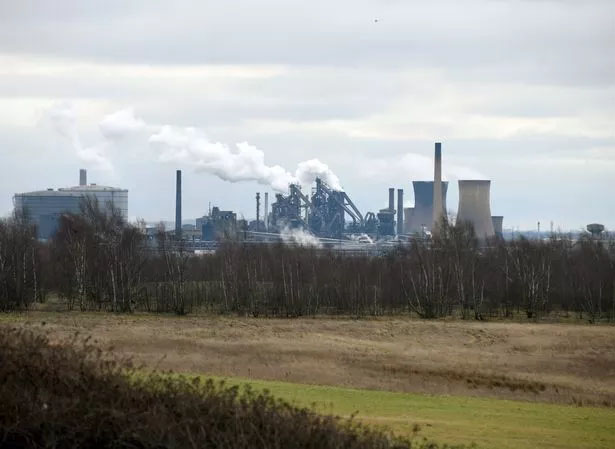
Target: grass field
489,423
559,363
498,384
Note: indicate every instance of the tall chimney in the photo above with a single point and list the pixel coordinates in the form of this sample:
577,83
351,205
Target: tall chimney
83,177
437,188
391,198
258,209
400,211
266,214
178,205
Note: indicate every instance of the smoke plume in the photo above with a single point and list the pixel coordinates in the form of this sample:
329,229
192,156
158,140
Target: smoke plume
120,124
299,237
308,171
63,118
241,162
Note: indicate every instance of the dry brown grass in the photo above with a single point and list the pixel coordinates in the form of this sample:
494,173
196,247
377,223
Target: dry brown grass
546,362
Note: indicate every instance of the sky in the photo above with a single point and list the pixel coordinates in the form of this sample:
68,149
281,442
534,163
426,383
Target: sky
247,96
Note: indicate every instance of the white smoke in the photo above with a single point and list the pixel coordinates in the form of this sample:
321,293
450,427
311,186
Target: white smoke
298,236
190,146
63,118
308,171
242,162
120,124
361,238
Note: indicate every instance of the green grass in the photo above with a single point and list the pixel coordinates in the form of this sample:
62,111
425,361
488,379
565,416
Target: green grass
490,423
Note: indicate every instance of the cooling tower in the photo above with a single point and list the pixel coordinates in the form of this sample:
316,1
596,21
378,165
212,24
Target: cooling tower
178,205
400,211
474,206
438,212
497,221
422,215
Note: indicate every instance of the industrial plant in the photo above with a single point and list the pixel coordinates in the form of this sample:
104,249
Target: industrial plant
44,208
327,216
330,215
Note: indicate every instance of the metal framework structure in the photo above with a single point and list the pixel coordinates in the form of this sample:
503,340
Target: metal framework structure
323,213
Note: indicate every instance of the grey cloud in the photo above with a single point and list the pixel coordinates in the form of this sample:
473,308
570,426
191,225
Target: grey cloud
513,40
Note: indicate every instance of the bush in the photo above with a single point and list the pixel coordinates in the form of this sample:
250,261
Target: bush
71,394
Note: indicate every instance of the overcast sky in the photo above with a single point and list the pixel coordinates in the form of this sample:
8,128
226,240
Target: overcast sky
240,94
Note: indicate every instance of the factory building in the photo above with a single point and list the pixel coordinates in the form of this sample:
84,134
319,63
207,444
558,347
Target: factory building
219,225
44,208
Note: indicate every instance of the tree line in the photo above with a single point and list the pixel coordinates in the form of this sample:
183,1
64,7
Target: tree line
97,261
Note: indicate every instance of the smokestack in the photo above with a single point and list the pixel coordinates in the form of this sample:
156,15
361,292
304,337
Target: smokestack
391,198
266,215
400,211
83,177
437,188
178,205
258,209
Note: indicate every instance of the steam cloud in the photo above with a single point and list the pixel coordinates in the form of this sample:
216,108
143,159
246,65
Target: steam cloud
190,146
119,124
243,162
299,237
64,120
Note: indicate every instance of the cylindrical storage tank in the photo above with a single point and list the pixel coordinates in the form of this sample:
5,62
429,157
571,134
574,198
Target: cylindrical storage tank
422,216
474,206
498,221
